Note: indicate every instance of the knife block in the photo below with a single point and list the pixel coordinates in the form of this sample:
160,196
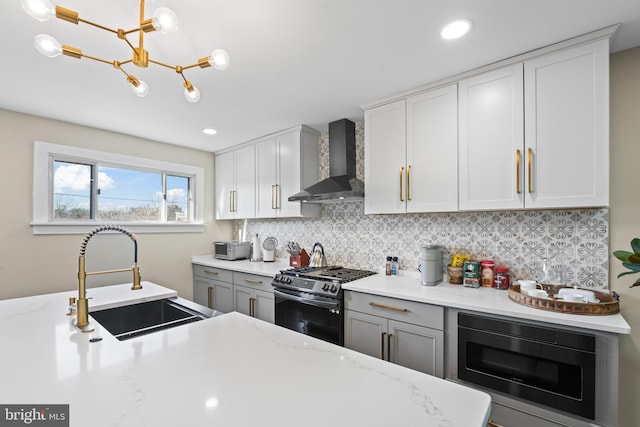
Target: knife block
301,260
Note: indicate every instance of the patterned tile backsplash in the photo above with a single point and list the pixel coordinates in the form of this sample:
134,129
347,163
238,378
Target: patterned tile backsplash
575,242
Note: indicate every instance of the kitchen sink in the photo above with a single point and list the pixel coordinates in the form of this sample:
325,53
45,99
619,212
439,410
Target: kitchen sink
134,320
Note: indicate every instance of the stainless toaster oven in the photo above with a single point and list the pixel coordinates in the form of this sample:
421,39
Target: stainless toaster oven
231,250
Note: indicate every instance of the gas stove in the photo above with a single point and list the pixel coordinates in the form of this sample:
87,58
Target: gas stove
324,281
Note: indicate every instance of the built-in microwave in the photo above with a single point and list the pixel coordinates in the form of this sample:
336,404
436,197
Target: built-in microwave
231,250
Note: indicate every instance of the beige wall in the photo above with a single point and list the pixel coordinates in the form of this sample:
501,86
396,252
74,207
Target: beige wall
36,264
625,217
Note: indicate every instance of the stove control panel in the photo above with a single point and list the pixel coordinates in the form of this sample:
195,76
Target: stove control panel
302,284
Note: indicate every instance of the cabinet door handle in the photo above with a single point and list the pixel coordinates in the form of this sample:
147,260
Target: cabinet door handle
231,201
382,345
401,173
409,182
389,347
490,423
210,297
518,171
246,279
529,156
278,205
388,307
273,197
215,273
252,311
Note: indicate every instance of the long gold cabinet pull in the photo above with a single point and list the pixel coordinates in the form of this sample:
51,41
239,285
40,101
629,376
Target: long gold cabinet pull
252,307
518,171
388,307
232,201
490,423
401,189
382,335
256,281
529,156
210,297
409,182
273,197
389,347
278,206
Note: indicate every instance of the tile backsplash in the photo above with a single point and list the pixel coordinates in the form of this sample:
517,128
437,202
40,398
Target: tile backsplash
576,241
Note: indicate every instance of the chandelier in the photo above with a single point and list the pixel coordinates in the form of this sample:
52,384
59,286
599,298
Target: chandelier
164,21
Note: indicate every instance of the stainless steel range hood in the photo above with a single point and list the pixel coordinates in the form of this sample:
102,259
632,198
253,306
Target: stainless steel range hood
342,184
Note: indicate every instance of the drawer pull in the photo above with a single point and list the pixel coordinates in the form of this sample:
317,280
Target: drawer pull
215,273
388,307
253,281
490,423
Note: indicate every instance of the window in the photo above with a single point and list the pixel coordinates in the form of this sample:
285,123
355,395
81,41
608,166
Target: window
75,187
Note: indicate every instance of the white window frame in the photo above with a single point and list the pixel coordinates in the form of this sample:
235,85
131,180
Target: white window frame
44,152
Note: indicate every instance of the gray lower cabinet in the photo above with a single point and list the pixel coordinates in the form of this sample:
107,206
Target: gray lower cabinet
213,287
403,332
227,291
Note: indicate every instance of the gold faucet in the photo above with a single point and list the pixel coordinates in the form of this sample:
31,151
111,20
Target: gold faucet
82,303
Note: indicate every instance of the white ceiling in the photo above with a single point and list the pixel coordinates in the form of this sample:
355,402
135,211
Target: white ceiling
292,61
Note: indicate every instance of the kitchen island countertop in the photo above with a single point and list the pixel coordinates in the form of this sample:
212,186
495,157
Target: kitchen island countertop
231,370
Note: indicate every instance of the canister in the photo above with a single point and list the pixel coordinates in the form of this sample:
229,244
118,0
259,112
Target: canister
430,265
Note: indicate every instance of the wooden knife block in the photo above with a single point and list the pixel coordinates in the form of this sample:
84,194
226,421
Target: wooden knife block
301,260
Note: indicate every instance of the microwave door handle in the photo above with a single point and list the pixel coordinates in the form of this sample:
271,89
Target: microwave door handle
317,303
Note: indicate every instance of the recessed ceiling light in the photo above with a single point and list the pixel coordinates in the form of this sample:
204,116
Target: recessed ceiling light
456,29
209,131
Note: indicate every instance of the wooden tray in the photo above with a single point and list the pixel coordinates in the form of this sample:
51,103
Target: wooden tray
607,305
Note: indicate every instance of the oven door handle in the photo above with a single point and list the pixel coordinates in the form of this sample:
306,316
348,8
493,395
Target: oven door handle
308,301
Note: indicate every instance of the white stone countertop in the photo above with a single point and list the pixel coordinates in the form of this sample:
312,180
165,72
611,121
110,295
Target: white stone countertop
486,300
245,266
231,370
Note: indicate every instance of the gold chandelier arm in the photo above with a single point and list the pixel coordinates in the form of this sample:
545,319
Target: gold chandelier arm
163,64
102,27
94,58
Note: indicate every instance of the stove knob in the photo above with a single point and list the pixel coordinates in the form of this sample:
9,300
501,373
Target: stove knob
289,280
334,288
325,287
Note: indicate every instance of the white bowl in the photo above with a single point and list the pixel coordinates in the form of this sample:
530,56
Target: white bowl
572,297
538,293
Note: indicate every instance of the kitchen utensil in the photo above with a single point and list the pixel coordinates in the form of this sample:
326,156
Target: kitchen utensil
269,245
318,258
430,265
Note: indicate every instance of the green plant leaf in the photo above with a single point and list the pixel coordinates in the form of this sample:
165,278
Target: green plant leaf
636,283
622,255
633,267
635,245
626,273
635,259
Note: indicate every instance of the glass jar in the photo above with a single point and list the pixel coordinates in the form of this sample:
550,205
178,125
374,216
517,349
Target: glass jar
502,278
487,274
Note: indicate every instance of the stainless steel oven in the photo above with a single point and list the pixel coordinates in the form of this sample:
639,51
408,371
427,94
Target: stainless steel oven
309,300
546,365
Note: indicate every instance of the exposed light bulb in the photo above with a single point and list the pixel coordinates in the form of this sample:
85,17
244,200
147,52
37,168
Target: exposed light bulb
42,10
219,59
47,45
165,21
456,29
192,95
141,89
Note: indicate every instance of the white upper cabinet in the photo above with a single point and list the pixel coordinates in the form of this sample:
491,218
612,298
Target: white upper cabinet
491,139
286,163
536,135
235,184
385,158
567,128
411,154
432,151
